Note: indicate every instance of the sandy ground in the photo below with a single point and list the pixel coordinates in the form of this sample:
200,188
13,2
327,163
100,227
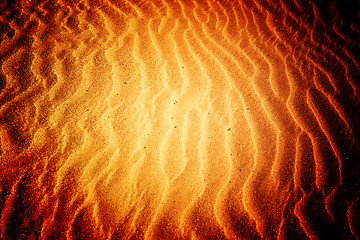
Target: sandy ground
179,119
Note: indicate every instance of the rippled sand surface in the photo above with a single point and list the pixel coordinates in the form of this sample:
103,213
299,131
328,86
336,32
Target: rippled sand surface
179,119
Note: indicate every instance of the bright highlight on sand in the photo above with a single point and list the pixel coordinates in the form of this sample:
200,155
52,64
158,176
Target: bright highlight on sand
179,119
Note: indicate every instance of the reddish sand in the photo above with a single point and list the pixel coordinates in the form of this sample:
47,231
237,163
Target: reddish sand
179,119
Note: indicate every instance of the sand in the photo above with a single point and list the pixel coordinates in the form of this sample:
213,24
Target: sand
179,119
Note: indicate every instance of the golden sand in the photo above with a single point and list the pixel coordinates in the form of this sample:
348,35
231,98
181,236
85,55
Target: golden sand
178,119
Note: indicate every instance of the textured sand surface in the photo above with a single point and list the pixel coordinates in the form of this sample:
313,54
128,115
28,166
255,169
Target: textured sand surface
179,119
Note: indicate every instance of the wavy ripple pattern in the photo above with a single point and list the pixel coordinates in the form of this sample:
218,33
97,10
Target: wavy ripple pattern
179,119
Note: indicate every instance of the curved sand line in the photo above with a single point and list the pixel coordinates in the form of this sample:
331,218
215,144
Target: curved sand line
159,119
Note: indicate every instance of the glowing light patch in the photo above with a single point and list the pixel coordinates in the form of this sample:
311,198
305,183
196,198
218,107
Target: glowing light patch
179,119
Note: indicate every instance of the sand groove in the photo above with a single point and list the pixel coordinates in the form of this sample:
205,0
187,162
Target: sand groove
179,119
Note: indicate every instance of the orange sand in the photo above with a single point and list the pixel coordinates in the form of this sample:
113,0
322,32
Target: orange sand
178,119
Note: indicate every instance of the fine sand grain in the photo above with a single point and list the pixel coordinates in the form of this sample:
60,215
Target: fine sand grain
179,119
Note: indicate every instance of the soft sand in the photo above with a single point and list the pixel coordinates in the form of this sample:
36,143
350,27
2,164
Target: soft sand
177,120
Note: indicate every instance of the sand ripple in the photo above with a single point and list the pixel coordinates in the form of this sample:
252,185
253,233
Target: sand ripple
179,119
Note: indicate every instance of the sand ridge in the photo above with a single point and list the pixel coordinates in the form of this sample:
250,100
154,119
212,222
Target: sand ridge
179,119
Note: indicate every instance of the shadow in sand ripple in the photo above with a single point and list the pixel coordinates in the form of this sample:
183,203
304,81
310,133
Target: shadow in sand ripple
186,119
